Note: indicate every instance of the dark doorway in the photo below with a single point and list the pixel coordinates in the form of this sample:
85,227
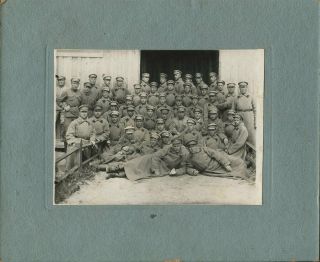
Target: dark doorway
188,61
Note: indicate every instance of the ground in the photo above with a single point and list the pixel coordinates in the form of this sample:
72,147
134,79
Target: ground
165,190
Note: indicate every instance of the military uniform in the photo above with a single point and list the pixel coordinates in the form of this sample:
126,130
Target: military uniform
101,127
116,129
145,87
188,80
123,109
179,125
142,108
201,85
104,101
140,133
246,107
163,86
178,104
89,97
228,104
194,132
213,141
128,120
120,90
107,86
213,84
153,97
150,120
203,99
170,94
136,95
178,84
150,147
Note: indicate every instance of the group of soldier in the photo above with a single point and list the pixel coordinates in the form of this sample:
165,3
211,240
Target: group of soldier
169,121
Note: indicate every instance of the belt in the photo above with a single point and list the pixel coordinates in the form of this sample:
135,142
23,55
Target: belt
245,110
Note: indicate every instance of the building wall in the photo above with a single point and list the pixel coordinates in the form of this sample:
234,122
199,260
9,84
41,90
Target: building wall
76,63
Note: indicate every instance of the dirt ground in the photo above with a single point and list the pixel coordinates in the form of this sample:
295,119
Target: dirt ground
165,190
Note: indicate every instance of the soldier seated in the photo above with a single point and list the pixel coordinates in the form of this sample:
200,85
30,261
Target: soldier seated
150,118
105,99
115,127
171,93
128,120
191,129
213,141
152,146
165,138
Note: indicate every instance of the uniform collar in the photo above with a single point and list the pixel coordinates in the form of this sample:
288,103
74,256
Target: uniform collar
246,95
81,120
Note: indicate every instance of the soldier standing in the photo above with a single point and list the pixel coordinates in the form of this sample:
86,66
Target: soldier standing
213,118
93,82
120,90
178,103
142,107
187,96
150,118
140,134
213,141
144,83
213,81
246,107
115,127
89,97
105,99
106,84
136,95
79,130
178,84
128,120
229,101
60,88
193,106
163,83
179,124
188,80
200,84
123,108
153,97
171,93
203,97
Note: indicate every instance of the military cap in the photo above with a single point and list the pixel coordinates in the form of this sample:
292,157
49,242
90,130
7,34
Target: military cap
75,80
243,83
143,94
179,97
237,116
203,87
231,112
163,75
114,103
212,126
176,140
213,109
106,88
115,113
160,121
177,71
213,74
165,133
150,107
92,76
231,85
198,109
212,93
138,117
190,139
198,75
154,84
187,84
98,108
129,97
154,135
119,78
87,84
162,94
60,77
170,82
130,108
145,75
129,129
137,86
83,108
181,109
191,121
189,76
164,108
195,97
221,81
105,77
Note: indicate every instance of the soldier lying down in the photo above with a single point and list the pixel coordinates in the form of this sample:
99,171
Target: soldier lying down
176,160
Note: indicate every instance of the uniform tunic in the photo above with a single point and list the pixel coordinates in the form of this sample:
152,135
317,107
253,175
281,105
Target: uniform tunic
101,127
89,98
116,131
136,100
171,97
226,105
120,93
153,99
203,99
237,146
213,142
145,87
127,120
104,103
141,134
179,124
178,86
211,162
199,87
146,148
186,100
162,87
246,107
141,109
149,123
220,127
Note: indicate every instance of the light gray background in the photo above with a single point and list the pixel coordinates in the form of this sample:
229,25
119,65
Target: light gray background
284,228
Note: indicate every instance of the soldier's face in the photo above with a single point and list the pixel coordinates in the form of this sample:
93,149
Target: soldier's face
139,123
180,114
243,90
204,91
231,89
198,80
195,101
187,89
74,85
178,102
220,86
213,116
145,79
107,82
143,100
197,115
150,112
236,121
114,119
137,91
130,113
83,114
92,80
106,94
165,140
212,79
164,115
176,147
170,87
97,114
153,89
113,108
211,132
61,82
160,127
162,79
86,89
162,100
177,76
212,98
193,148
129,102
153,142
191,126
230,117
129,136
119,83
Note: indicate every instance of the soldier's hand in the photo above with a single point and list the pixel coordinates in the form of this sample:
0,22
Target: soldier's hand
67,108
228,168
195,172
225,141
173,172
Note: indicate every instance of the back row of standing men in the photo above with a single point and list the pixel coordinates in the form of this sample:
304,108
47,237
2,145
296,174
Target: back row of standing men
170,103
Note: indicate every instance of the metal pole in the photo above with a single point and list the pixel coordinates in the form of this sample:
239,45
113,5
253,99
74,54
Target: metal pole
80,155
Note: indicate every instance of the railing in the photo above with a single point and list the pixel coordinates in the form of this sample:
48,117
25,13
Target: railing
81,162
251,155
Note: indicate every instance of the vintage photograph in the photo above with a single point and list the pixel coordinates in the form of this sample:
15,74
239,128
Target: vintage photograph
158,127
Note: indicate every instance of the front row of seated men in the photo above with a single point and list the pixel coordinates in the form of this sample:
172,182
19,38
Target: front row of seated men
175,146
